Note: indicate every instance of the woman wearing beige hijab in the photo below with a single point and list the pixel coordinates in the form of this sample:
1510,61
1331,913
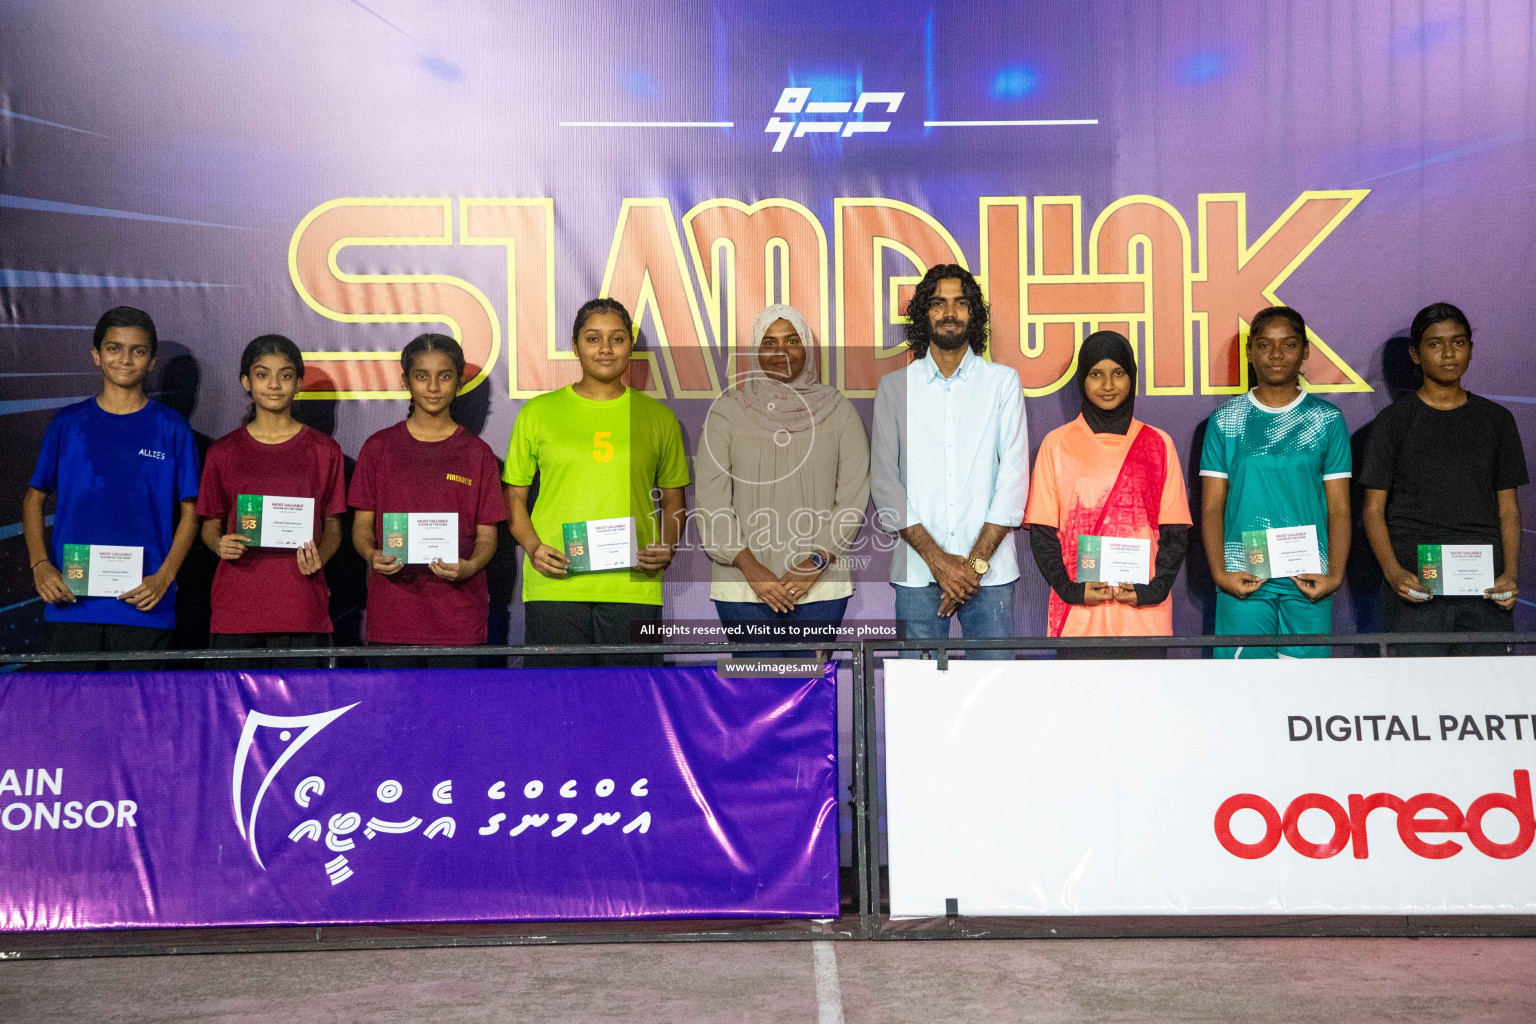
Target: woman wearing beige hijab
782,479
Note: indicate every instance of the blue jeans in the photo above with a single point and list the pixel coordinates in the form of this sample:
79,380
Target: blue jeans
987,615
756,611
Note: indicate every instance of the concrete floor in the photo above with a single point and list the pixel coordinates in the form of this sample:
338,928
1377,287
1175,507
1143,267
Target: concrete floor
1355,981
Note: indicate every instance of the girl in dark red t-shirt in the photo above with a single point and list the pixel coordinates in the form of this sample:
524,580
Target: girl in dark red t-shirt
271,596
427,465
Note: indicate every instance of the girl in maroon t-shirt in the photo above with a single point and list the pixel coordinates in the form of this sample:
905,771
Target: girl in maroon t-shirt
270,596
427,465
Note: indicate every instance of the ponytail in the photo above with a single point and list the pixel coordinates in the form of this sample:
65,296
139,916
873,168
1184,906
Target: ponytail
424,343
269,345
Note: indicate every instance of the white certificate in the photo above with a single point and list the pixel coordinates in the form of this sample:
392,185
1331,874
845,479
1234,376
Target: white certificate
102,570
1468,569
284,522
613,543
597,545
433,535
1126,560
1293,551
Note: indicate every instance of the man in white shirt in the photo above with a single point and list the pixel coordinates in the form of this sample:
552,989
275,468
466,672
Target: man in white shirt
950,467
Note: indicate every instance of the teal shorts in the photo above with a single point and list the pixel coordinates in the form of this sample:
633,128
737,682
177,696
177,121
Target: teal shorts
1276,607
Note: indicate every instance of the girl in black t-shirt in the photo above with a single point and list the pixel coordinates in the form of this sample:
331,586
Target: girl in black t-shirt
1441,467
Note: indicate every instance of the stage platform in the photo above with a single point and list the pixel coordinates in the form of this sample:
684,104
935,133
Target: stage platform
1402,981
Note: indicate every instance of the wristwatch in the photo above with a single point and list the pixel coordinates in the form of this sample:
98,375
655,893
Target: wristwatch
819,561
979,566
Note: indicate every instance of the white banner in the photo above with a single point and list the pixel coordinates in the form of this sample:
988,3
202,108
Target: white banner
1211,787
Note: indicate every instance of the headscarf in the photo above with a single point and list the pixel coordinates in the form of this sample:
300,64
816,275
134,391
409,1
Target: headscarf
777,405
1099,346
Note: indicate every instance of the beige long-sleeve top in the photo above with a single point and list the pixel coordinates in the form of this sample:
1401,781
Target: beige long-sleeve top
783,500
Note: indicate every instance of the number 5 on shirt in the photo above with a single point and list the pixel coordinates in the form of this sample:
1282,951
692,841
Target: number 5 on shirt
602,448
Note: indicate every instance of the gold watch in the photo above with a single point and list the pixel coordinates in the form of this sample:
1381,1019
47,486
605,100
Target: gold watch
979,566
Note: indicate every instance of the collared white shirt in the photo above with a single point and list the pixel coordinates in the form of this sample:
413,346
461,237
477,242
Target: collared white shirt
950,453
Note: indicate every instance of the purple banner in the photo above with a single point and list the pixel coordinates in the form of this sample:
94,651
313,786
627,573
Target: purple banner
310,797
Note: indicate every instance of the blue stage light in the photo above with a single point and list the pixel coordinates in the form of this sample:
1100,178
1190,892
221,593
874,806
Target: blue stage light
1203,66
1013,83
828,85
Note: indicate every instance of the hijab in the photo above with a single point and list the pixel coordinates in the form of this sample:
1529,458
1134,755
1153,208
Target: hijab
776,405
1099,346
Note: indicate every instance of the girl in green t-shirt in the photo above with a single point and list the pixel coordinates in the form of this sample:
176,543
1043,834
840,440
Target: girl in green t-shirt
599,449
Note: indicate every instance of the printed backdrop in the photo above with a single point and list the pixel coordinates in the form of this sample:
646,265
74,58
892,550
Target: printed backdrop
222,798
353,173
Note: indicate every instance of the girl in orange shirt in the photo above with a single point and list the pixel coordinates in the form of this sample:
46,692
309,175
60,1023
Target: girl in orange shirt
1107,474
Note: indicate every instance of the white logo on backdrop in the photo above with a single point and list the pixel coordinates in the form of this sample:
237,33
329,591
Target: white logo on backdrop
310,726
797,101
847,118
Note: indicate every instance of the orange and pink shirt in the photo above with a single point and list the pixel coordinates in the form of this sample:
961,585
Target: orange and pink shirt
1109,485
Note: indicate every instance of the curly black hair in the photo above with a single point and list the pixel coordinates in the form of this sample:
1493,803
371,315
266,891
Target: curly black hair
919,331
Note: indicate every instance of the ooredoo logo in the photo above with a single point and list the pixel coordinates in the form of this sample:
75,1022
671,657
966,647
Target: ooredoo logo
1412,826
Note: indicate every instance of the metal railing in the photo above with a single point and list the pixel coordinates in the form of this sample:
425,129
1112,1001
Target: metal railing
869,904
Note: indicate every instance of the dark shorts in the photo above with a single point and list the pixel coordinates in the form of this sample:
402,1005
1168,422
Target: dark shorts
267,641
97,638
1444,615
586,622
